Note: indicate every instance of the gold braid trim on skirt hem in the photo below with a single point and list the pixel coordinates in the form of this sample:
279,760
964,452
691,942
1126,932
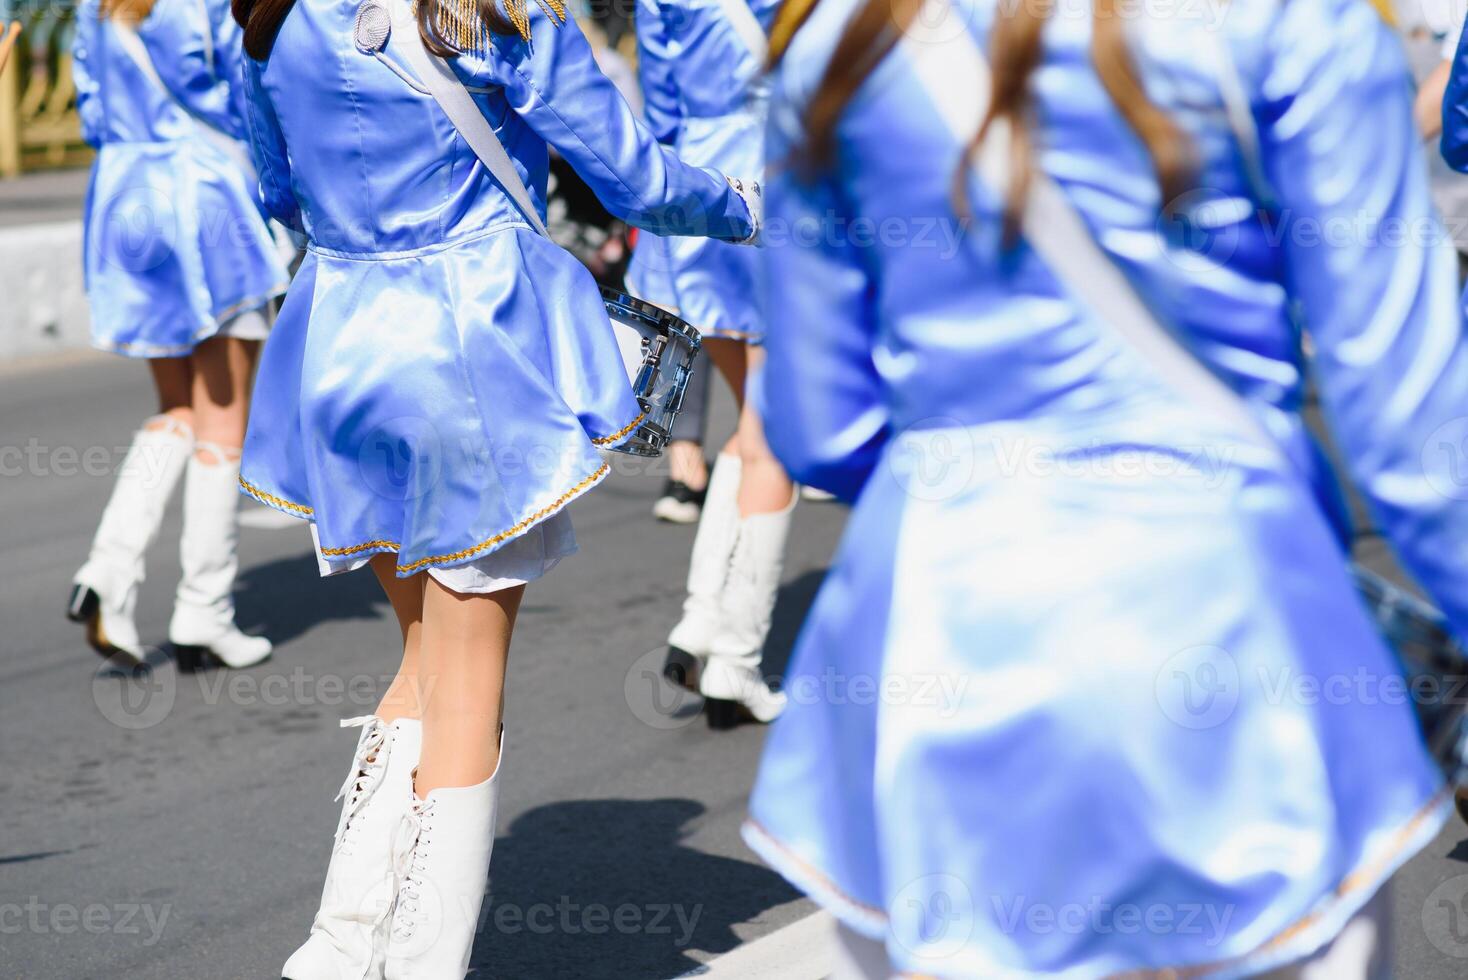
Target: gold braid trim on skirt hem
392,546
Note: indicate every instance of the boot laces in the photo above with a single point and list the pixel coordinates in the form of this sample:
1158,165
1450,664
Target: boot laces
410,858
369,766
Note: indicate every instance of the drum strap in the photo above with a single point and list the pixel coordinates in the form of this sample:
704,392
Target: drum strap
137,51
456,102
747,26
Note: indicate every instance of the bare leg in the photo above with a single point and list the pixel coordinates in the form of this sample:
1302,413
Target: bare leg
403,698
173,377
686,464
221,394
729,356
464,647
763,486
203,610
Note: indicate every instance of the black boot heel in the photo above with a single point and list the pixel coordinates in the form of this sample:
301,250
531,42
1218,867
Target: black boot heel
82,605
681,668
190,659
722,715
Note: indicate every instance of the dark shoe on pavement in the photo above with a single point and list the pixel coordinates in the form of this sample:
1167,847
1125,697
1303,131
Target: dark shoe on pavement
679,504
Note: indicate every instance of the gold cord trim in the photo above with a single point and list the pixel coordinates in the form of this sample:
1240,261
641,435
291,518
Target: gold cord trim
273,500
620,433
461,24
393,546
539,515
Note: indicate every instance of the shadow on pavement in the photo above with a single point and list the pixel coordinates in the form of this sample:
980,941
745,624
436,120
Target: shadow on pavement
284,598
603,889
791,607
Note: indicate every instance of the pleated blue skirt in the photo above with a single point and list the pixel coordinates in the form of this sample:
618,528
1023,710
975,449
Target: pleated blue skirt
174,247
1086,700
436,403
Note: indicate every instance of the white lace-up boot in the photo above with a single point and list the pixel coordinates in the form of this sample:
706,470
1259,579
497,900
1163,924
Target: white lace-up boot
732,683
349,936
203,611
444,850
105,590
708,569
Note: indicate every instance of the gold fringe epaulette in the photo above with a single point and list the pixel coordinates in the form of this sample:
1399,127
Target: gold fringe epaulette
459,22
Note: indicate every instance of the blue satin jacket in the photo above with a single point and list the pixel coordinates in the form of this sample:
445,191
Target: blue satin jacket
400,178
1051,678
692,64
176,242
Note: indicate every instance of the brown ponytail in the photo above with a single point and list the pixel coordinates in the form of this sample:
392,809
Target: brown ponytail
1016,51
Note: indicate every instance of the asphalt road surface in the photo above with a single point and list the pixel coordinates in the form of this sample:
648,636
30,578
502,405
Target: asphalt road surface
179,827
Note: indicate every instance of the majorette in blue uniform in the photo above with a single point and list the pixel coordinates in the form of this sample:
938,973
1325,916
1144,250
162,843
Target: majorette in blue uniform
442,379
176,252
702,67
1088,690
176,243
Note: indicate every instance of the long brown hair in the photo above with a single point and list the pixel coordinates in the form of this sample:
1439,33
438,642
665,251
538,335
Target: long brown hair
449,27
1015,53
135,11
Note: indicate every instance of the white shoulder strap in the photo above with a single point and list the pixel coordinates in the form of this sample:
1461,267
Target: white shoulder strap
456,102
747,26
137,51
954,71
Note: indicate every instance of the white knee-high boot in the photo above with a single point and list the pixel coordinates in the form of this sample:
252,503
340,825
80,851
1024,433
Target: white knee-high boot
105,590
349,936
203,611
732,683
448,837
708,569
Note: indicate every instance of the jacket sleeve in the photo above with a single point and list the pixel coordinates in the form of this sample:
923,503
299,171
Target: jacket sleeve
188,42
555,86
83,46
1455,109
821,397
660,107
1376,277
268,149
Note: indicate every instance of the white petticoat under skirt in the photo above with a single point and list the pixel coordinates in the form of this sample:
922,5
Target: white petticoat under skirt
522,560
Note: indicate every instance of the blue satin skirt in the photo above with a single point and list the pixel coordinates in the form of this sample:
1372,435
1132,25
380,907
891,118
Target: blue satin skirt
436,403
174,246
1073,702
711,284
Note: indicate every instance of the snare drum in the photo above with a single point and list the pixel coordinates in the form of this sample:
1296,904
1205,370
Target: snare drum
660,366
